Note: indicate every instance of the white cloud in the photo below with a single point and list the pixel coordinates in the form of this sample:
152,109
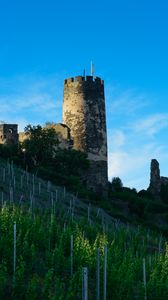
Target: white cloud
133,141
31,99
116,163
125,102
151,124
133,165
116,138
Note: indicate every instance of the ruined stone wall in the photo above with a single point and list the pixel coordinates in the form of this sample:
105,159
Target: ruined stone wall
8,134
155,184
164,180
156,181
84,114
62,134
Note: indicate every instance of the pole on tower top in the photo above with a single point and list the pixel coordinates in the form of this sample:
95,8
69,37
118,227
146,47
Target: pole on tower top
92,69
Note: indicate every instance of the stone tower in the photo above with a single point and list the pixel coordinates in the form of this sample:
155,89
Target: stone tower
84,113
8,134
155,182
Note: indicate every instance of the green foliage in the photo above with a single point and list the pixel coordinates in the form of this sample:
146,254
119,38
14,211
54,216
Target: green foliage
40,145
41,149
140,208
145,194
70,162
43,258
40,153
164,193
116,184
3,277
12,152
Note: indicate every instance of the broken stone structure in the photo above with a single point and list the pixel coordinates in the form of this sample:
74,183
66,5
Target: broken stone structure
156,181
62,134
8,134
84,114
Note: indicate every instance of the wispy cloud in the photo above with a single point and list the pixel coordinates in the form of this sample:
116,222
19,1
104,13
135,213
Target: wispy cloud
125,102
151,124
117,138
31,99
132,128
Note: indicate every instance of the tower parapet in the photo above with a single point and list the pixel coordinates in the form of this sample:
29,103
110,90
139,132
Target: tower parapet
86,79
84,114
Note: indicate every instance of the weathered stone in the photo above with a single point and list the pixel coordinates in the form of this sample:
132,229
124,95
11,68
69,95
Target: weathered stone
84,114
164,180
62,133
156,181
9,134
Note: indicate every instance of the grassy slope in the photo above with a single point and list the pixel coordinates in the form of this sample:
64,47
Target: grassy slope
140,209
46,218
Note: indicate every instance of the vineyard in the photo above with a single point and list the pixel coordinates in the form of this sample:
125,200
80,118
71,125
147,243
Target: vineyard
54,246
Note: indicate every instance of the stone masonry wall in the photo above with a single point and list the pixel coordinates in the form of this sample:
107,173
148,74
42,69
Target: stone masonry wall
156,181
8,134
62,134
84,114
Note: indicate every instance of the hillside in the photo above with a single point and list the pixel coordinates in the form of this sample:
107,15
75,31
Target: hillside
21,187
57,234
40,154
139,207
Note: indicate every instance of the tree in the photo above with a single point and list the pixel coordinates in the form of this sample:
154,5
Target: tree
70,162
116,184
40,145
164,193
43,156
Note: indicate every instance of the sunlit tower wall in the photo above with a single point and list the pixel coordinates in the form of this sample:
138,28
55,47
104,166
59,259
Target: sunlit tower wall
84,113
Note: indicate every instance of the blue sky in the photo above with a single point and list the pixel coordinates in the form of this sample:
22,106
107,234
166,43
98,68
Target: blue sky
44,41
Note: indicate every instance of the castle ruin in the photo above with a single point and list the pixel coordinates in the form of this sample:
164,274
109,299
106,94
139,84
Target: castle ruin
8,134
156,181
83,128
84,113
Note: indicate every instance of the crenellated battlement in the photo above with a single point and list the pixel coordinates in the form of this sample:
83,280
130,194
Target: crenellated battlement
84,113
89,79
